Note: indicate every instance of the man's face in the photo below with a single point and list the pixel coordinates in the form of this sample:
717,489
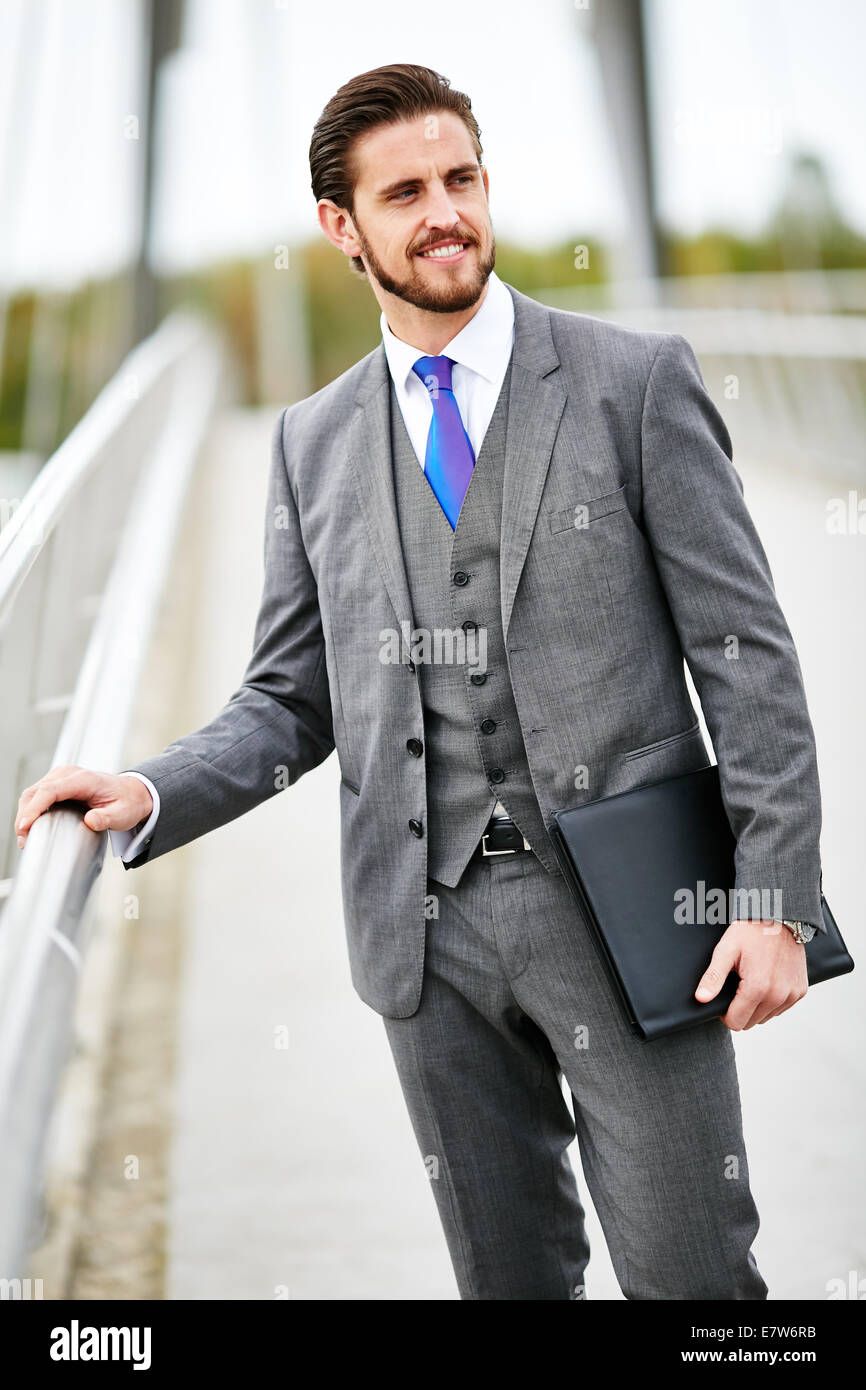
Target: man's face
419,186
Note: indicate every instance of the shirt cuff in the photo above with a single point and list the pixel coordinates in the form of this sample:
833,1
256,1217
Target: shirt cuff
128,844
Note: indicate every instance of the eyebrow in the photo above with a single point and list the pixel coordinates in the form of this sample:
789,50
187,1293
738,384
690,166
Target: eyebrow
405,183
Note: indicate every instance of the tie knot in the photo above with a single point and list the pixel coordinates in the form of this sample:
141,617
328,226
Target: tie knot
435,372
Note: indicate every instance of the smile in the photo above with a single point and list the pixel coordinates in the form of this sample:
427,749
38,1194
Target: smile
451,251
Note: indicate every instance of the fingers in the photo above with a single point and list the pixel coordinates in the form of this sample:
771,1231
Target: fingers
793,998
776,1012
29,793
757,1001
61,784
723,960
102,819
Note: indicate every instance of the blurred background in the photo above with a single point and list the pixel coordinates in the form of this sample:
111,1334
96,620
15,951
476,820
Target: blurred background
193,1103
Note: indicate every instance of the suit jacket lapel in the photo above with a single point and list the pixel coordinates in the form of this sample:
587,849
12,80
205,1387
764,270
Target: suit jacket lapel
369,456
535,405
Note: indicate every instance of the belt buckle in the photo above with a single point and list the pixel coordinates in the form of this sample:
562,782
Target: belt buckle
489,853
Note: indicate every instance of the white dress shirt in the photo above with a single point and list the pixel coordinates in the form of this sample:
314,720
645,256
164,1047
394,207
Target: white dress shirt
481,352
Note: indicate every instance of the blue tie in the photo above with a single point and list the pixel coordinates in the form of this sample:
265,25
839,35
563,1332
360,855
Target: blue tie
450,458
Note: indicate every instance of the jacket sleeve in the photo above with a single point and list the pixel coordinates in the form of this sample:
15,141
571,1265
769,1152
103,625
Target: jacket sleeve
277,725
733,634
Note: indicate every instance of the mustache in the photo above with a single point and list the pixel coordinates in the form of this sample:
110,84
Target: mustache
441,241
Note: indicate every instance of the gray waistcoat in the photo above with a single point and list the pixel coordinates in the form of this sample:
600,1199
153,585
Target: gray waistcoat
471,729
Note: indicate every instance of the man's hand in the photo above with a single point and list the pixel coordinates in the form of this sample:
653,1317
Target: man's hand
772,970
116,803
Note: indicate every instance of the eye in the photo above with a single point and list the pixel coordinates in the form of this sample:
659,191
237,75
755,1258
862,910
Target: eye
408,192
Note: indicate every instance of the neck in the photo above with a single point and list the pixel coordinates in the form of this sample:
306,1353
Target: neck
422,329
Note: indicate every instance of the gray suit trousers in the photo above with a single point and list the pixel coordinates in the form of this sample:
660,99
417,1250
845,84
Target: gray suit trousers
514,998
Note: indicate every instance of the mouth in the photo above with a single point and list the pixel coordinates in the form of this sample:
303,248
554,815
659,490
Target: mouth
448,251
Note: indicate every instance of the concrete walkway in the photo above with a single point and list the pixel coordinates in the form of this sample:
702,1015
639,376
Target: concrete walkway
294,1169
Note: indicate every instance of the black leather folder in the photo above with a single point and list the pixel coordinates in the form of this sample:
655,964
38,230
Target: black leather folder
631,861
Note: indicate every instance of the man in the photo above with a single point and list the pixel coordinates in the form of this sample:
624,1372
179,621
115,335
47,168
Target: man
576,529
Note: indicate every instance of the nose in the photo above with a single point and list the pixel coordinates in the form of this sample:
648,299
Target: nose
442,211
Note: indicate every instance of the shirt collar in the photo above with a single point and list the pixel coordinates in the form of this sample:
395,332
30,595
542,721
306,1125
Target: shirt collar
483,344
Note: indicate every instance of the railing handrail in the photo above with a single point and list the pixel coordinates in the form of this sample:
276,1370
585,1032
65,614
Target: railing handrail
799,291
749,331
41,925
755,331
68,468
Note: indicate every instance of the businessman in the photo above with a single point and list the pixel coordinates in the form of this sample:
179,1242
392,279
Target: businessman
490,546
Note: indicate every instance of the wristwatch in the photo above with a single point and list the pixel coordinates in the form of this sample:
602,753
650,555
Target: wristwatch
802,931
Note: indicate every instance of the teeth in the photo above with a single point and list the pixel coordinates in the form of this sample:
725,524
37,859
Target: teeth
444,252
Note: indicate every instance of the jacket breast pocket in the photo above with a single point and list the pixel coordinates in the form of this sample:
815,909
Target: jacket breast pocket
599,540
584,512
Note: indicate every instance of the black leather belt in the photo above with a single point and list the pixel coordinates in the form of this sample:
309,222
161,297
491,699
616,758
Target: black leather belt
500,837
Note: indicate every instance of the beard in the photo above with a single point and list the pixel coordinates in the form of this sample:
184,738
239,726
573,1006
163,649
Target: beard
448,298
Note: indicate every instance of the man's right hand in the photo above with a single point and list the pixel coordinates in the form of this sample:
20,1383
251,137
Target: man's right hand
115,802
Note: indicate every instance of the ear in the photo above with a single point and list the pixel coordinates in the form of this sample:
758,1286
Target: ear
338,227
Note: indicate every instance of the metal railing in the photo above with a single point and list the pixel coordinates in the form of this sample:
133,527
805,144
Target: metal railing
82,566
785,291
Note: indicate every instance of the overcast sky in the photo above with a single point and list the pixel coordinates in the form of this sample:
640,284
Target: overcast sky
736,87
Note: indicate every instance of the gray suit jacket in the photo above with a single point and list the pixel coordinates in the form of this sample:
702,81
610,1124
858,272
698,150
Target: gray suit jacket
626,546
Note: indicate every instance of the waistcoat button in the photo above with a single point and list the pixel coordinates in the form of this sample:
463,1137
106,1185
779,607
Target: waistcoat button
488,726
497,775
415,746
417,829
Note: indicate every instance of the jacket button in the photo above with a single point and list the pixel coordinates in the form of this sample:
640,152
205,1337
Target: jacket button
415,746
417,829
488,726
469,625
478,677
461,578
497,775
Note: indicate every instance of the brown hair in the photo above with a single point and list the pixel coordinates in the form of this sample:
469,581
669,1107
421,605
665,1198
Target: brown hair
382,96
